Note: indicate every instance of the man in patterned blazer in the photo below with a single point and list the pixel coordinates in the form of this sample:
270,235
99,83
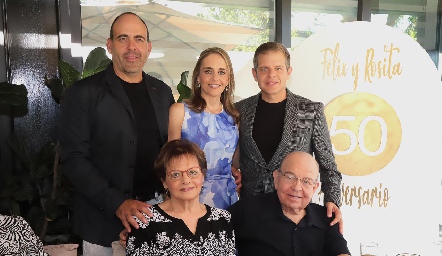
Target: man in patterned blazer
276,122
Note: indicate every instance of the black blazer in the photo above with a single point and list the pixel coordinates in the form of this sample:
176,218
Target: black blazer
98,149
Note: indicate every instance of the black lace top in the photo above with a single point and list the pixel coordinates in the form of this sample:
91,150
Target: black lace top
166,235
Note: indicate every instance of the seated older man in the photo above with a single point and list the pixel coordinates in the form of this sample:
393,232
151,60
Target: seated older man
285,222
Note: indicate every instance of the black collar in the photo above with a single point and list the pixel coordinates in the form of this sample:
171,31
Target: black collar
274,210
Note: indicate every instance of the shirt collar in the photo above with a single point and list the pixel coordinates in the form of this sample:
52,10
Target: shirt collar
274,210
312,218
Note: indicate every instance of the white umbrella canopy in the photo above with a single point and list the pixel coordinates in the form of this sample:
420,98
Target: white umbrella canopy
177,38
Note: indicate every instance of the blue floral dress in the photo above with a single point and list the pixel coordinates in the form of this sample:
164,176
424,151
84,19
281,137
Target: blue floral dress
217,136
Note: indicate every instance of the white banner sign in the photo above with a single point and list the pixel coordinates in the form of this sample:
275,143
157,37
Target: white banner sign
383,99
382,95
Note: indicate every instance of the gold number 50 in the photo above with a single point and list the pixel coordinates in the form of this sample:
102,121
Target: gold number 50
360,138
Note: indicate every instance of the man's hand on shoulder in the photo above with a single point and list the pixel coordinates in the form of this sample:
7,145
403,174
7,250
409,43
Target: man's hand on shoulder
332,208
130,208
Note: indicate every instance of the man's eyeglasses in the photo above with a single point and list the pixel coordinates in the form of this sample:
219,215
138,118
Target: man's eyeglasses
192,173
291,179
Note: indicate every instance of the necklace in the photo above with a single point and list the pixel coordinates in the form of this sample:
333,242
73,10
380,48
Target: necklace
216,110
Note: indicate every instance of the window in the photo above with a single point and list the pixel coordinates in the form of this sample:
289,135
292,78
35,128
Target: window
180,30
417,18
310,16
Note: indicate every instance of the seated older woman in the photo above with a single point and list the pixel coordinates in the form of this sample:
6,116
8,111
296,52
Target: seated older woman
181,225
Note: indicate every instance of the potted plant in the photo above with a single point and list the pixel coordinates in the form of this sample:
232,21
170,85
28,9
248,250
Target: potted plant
184,91
39,191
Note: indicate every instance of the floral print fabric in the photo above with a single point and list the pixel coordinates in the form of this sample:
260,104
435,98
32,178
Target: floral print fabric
217,136
166,235
18,239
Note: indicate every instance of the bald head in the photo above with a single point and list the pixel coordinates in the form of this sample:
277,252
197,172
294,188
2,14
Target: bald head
296,182
111,33
300,160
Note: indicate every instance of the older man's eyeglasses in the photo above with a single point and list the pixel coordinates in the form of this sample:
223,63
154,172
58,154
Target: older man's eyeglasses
291,179
192,173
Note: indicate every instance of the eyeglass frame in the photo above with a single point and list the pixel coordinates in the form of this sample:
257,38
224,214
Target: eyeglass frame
169,174
289,180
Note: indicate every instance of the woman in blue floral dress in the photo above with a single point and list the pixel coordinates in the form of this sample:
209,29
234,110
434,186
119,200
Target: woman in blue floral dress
210,120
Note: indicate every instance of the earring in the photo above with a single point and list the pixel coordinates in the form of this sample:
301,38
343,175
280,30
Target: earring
199,85
227,88
167,192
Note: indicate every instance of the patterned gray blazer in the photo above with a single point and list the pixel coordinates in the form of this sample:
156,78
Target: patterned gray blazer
305,129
